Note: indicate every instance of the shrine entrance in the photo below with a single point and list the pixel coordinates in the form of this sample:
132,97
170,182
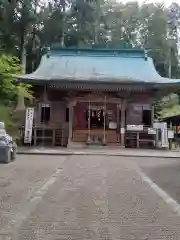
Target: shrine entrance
97,122
97,117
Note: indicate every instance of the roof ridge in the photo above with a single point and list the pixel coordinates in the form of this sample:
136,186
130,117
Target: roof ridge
135,53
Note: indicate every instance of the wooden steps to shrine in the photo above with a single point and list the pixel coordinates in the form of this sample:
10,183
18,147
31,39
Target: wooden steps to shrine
97,136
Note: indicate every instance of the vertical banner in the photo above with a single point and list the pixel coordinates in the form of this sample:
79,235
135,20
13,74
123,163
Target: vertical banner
28,125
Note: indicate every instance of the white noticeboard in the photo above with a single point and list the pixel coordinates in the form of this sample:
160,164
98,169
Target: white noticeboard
112,125
151,131
28,125
134,127
170,134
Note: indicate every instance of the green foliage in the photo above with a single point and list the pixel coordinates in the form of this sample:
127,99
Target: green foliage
5,115
11,119
10,69
168,112
168,106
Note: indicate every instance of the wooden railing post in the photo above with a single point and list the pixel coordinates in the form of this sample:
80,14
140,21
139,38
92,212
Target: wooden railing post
71,115
123,124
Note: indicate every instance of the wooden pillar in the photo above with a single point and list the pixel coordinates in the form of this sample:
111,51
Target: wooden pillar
137,140
53,138
35,137
152,125
104,133
123,109
70,126
170,140
89,122
45,100
152,115
118,123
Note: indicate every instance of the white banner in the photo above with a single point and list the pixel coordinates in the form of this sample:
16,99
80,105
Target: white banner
28,125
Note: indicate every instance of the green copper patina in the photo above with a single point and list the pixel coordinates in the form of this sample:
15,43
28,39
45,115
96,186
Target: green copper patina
102,66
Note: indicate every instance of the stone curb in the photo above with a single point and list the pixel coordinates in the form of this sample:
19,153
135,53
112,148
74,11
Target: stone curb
45,153
93,153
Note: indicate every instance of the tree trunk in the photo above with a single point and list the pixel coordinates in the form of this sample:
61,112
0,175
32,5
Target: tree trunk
23,52
64,10
34,37
33,48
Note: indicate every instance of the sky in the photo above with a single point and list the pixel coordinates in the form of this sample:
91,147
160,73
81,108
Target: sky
166,2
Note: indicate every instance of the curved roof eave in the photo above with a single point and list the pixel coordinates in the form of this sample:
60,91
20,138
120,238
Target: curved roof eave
99,68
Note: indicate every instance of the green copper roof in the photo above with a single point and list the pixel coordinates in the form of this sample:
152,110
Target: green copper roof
99,65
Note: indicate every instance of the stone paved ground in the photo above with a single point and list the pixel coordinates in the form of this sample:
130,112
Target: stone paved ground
98,198
166,174
100,150
20,179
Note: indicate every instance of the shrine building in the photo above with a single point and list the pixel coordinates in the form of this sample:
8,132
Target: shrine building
96,96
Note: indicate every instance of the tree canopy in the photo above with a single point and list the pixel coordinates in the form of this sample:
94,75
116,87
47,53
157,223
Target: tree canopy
28,26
